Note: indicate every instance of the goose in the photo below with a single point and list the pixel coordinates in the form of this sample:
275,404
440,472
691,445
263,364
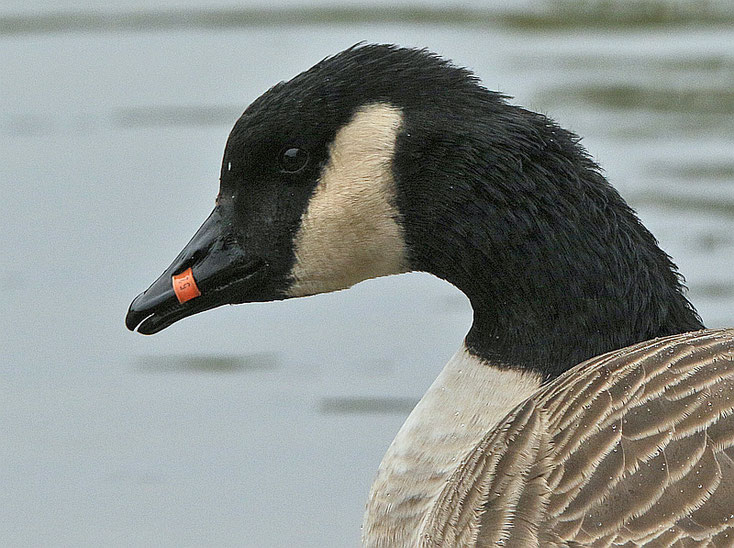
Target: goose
587,406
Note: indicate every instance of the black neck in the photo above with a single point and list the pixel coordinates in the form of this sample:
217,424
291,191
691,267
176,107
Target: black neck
511,210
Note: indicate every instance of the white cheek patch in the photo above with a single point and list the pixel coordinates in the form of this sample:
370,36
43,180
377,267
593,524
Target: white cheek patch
349,231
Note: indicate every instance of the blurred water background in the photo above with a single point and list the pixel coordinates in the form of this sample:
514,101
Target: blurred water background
263,425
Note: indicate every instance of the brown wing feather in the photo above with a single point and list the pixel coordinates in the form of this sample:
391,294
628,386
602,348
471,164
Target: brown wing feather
632,448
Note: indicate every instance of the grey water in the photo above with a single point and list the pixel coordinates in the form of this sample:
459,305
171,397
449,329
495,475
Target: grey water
263,424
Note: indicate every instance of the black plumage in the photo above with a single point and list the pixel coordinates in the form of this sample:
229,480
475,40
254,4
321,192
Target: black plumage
497,200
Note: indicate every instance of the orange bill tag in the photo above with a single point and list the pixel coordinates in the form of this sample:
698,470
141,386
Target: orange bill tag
184,286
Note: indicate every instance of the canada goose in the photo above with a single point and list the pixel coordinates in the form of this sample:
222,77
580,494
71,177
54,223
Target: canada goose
381,160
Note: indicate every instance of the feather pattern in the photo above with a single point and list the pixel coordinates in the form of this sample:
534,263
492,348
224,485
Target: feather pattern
631,448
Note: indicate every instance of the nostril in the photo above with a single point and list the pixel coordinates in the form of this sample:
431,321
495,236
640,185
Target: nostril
194,258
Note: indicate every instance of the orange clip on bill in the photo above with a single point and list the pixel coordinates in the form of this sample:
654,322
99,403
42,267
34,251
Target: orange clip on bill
184,286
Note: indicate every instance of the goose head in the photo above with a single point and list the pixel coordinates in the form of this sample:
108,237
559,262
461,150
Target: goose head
306,202
381,160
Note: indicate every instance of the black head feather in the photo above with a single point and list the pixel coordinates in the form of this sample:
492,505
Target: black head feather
501,202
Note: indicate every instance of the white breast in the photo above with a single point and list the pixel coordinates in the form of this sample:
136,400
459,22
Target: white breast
466,400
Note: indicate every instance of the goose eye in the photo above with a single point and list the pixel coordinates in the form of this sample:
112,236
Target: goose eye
293,159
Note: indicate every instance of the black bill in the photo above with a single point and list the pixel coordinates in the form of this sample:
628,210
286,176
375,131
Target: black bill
223,271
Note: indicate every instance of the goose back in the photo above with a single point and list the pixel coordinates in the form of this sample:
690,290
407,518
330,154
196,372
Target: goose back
631,448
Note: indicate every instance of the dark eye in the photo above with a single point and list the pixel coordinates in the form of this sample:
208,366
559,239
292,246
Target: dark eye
293,159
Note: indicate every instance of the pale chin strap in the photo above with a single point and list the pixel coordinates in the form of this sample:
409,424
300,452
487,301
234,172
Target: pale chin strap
349,231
